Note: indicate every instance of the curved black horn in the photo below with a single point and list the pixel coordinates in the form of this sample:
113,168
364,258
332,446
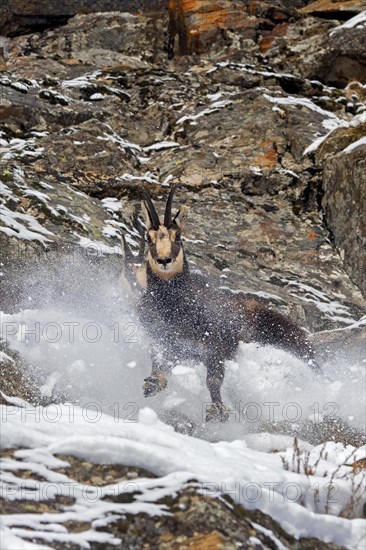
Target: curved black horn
154,218
168,208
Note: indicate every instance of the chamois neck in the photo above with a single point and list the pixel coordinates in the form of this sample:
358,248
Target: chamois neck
179,282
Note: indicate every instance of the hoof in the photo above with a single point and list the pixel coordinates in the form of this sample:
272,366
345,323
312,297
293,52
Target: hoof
217,411
154,384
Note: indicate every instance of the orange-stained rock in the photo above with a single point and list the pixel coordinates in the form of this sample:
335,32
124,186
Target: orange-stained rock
197,23
333,6
359,465
266,40
267,158
209,541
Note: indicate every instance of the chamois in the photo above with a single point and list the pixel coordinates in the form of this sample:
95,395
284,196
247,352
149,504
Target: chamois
186,318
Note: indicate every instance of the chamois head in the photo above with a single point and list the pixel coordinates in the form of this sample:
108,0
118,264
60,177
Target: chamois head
165,254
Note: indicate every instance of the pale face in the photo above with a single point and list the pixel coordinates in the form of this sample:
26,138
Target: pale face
165,253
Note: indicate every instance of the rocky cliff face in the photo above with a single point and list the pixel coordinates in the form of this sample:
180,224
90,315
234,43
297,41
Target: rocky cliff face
108,101
256,108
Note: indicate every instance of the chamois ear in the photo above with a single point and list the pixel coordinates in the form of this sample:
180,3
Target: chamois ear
181,217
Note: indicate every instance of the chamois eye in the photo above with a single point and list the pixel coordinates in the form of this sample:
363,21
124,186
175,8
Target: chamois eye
177,237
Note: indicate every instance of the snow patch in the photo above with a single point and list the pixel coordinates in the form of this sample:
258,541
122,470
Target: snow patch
354,145
215,106
253,478
358,21
161,145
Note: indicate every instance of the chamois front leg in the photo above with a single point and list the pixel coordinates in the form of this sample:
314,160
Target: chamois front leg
160,370
214,380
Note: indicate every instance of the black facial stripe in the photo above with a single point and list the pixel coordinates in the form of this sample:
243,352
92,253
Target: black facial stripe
175,248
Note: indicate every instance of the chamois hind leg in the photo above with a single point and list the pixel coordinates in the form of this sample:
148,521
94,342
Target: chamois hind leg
273,328
214,380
